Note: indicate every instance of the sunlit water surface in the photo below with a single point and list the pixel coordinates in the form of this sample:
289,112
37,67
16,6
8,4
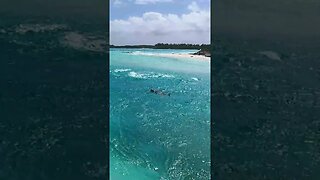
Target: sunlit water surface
154,136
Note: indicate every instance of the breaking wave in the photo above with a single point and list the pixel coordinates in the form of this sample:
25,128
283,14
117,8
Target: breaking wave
149,75
121,70
195,79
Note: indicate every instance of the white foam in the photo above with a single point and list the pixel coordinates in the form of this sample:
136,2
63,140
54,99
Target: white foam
159,75
148,75
136,75
195,79
142,53
121,70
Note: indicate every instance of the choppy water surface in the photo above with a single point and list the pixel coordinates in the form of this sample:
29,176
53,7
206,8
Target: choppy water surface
154,136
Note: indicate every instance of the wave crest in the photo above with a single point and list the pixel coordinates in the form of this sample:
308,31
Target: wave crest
149,75
121,70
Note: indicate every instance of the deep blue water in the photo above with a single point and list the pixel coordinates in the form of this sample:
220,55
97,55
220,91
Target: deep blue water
158,136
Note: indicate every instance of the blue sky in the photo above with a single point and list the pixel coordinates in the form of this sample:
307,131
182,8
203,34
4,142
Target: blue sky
153,21
120,9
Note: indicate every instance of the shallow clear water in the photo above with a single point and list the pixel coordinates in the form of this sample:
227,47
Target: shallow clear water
154,136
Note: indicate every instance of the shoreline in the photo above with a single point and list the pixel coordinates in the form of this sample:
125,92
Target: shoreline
181,56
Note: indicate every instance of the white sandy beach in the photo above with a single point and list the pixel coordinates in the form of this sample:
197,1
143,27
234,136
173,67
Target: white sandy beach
183,56
178,56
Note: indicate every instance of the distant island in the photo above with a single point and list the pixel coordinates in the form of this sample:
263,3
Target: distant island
204,48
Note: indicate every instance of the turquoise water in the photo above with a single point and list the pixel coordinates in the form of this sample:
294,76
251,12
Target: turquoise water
158,136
